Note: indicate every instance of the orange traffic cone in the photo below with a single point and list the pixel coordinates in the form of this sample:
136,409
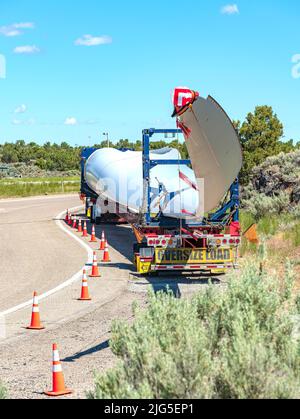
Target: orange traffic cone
106,257
85,296
59,388
93,236
74,222
85,232
35,317
103,241
80,226
95,270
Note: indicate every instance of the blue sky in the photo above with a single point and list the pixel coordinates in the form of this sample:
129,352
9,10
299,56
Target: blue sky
58,88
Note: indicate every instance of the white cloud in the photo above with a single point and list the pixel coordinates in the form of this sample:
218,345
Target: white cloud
71,121
15,29
16,122
90,41
230,9
27,49
21,109
24,25
19,122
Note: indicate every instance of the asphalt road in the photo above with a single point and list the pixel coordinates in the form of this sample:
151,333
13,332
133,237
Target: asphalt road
34,254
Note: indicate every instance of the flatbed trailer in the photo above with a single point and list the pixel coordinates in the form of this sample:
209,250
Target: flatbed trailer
172,245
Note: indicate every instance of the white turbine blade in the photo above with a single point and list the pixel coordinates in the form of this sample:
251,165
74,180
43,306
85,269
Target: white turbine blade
214,149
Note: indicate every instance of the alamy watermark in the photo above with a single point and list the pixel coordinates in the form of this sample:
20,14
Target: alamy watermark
296,66
2,67
124,194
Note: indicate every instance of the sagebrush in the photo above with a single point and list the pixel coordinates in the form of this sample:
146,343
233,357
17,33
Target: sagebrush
3,392
274,187
233,343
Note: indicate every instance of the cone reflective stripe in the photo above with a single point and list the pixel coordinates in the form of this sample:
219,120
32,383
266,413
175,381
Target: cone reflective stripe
106,257
85,232
35,316
95,269
103,241
85,296
74,222
93,236
59,388
80,226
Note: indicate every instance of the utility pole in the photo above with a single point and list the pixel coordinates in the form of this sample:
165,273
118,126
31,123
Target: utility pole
107,138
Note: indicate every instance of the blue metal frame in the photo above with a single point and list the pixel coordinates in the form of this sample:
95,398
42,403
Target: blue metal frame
233,204
218,217
148,164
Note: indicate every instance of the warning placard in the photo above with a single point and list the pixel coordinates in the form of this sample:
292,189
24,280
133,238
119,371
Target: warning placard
193,256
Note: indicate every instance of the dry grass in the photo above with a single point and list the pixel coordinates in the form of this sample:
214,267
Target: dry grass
11,188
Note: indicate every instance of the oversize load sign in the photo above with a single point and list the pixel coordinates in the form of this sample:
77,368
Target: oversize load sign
193,256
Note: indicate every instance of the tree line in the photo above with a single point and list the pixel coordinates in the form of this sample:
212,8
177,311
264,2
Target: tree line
261,136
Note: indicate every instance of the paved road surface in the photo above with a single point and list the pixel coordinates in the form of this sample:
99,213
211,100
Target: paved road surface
34,253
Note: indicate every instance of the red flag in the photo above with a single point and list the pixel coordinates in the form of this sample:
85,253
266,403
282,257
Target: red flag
182,97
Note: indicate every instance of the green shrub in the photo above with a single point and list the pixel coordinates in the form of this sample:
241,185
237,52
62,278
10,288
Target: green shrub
3,392
260,205
293,234
235,343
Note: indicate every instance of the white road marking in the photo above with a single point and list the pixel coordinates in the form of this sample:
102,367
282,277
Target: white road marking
36,198
70,281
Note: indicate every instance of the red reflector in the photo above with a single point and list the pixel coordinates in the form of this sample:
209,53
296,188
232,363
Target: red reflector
157,241
238,241
224,241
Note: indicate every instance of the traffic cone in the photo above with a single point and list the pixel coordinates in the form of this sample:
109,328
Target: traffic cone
59,388
93,236
70,219
95,269
85,296
35,317
80,226
74,222
85,232
102,243
67,216
106,257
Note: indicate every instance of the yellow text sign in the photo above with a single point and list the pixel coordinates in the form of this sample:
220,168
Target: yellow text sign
193,256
